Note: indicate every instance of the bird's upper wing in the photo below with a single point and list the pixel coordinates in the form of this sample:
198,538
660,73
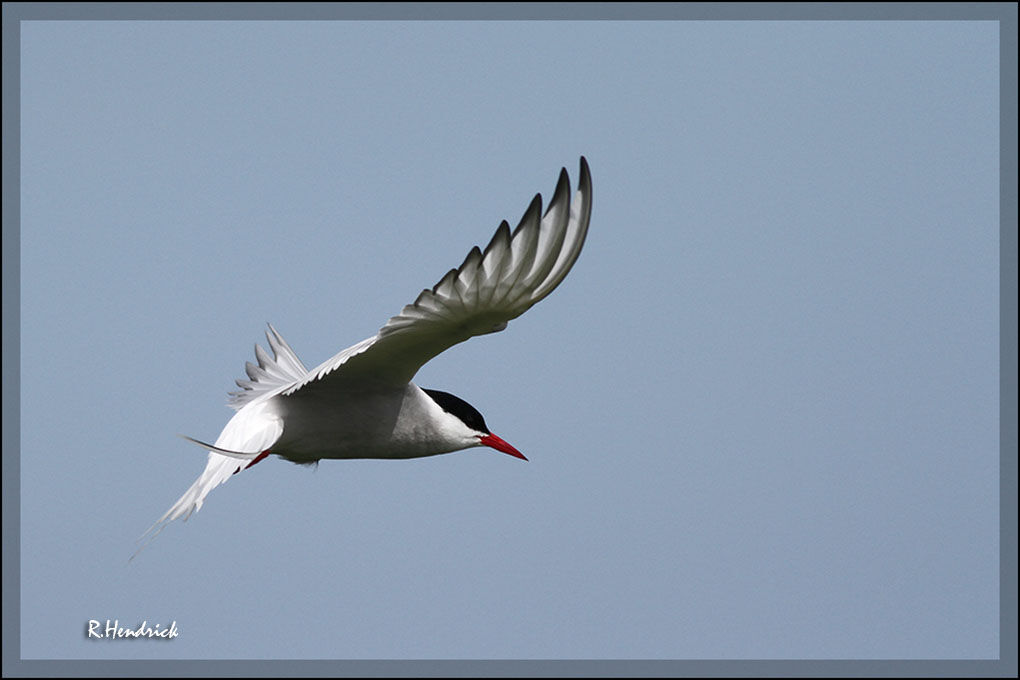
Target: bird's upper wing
490,288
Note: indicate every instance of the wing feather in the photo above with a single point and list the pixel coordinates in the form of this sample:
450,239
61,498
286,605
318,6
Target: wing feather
574,234
491,287
524,244
271,374
495,261
467,277
285,356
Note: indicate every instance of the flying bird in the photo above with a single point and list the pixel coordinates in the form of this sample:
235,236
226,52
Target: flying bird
361,403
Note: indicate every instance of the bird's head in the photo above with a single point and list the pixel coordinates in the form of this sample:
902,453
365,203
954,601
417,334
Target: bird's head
469,425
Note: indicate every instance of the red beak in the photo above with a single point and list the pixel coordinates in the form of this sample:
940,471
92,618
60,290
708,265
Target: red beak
500,445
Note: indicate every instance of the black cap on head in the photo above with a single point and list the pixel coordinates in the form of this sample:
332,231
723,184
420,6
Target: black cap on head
456,406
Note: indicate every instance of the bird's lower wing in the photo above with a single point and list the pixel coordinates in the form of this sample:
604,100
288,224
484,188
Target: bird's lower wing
280,370
491,287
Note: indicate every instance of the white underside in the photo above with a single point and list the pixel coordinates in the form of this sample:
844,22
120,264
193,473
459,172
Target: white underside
366,424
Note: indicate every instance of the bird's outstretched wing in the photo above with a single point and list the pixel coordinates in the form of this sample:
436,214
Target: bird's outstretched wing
491,287
273,372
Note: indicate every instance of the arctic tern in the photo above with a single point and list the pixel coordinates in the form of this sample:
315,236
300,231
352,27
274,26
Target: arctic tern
361,403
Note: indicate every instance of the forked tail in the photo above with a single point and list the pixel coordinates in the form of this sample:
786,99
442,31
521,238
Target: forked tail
254,428
247,437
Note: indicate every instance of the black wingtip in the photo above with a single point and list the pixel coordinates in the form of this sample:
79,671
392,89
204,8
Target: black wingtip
530,215
502,232
474,252
562,191
584,181
535,207
452,274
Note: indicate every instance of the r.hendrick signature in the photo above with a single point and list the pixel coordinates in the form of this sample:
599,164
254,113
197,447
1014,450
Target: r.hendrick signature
113,631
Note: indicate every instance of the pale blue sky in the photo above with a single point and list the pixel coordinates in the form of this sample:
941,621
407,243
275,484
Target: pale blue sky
761,412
